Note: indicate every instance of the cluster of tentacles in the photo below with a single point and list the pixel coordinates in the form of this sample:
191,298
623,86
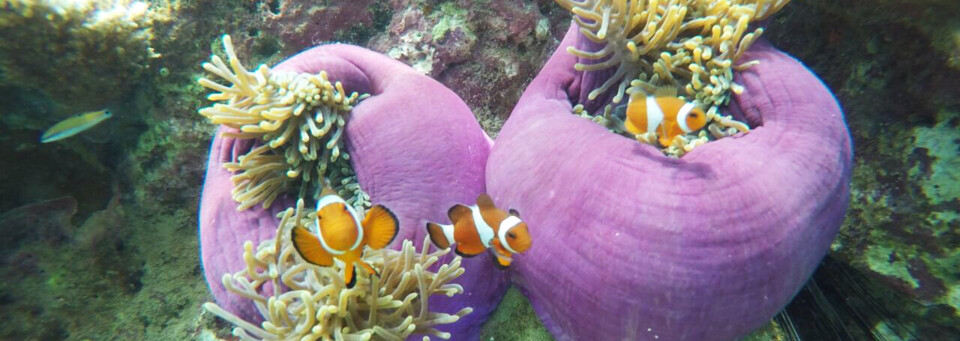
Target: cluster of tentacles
691,46
299,120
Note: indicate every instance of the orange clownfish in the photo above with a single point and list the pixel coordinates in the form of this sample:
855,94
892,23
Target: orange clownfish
480,227
668,116
339,233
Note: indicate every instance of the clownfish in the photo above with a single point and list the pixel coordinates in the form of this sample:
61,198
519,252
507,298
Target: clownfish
338,233
480,227
666,115
74,125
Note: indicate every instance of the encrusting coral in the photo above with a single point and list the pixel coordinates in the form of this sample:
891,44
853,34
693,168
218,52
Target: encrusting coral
691,46
314,304
73,49
299,119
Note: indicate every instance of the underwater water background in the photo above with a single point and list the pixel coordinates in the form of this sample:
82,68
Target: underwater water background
99,231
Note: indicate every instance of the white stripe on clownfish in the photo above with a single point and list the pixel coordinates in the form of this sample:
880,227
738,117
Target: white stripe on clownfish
682,117
483,229
654,114
505,227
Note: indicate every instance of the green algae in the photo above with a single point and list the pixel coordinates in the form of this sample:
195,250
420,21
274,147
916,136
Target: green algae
514,319
886,261
941,182
451,17
103,281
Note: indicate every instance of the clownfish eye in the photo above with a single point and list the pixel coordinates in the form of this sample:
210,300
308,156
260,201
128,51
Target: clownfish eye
692,115
512,235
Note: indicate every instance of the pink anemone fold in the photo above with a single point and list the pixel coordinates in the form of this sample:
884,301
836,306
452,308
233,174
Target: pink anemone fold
416,148
629,244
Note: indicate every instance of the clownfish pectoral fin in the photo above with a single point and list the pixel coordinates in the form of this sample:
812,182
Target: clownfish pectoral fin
484,201
440,235
514,213
467,250
500,261
369,268
350,275
380,227
309,248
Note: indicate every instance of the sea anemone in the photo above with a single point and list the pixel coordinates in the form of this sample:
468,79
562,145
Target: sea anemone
298,118
633,245
314,304
690,47
415,148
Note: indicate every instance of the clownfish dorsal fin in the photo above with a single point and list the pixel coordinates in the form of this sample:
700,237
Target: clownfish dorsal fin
665,92
459,212
514,213
327,191
485,202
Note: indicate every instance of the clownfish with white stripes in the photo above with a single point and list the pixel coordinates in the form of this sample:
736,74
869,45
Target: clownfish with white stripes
483,226
664,114
338,233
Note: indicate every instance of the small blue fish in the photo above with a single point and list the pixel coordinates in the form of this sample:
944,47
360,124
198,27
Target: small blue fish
75,125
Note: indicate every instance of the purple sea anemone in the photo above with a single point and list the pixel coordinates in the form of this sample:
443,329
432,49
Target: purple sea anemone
632,245
415,147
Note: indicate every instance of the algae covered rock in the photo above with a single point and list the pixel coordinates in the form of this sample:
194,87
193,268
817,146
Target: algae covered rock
84,53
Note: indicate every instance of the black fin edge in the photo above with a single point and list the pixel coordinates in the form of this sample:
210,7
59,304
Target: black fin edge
396,223
461,254
353,281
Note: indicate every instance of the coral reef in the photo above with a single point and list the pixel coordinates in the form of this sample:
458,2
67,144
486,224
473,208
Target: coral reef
895,77
299,120
714,238
74,50
117,274
315,304
474,46
135,275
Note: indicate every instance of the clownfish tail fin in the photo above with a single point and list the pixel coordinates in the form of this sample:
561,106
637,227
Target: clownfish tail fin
440,235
